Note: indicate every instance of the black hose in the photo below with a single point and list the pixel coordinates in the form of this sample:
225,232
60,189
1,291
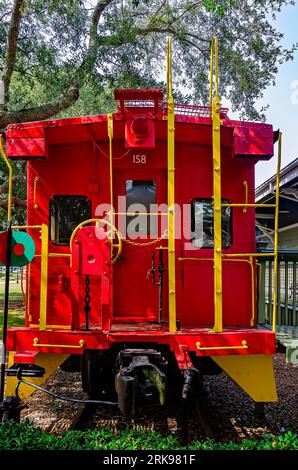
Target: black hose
60,397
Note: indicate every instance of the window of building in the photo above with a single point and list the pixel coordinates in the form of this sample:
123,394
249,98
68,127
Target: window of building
140,195
66,212
202,235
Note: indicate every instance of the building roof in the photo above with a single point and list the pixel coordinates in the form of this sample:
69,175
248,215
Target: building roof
288,178
288,202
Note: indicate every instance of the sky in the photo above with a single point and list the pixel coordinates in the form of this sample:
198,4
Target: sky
283,98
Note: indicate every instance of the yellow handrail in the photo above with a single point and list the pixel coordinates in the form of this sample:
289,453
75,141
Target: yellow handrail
72,346
10,180
43,277
230,204
213,68
171,193
253,293
240,255
245,184
134,214
36,180
110,135
250,262
208,348
21,227
275,266
44,255
217,253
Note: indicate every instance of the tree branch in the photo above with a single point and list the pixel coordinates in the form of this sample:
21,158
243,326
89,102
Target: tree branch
72,92
4,186
114,40
16,201
43,111
186,10
90,58
11,46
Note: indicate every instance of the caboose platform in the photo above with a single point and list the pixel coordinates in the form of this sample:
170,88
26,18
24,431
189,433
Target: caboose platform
28,342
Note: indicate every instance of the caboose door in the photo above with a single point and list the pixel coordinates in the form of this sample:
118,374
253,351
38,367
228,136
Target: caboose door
136,297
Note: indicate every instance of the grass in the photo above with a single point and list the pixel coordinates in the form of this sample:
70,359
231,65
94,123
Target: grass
16,306
25,436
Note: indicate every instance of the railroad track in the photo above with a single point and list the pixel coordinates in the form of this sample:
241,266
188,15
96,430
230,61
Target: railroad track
165,421
203,418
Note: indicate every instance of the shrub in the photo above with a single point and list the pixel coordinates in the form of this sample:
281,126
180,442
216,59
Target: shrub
25,436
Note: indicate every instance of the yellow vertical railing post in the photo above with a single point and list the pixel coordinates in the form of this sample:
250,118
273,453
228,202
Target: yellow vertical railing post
10,181
253,307
110,135
215,113
36,180
171,194
275,268
43,277
245,184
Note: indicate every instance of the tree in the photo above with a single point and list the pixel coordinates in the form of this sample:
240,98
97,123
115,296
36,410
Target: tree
50,51
65,57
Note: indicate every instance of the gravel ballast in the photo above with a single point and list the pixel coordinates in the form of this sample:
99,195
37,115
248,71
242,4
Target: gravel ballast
230,411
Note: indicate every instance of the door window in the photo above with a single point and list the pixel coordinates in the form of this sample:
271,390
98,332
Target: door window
141,197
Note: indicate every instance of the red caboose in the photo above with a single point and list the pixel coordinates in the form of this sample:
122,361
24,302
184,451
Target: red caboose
144,224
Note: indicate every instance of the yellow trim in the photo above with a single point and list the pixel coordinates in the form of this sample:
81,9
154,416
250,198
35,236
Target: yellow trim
275,266
110,135
56,255
208,348
250,262
246,205
28,285
49,361
213,54
36,180
252,372
43,277
140,213
52,327
21,227
171,193
253,293
10,180
216,188
72,346
259,276
245,184
239,255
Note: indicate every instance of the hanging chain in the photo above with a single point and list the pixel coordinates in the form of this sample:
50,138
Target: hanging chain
87,307
152,242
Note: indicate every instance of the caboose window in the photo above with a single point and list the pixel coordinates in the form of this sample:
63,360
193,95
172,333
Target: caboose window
140,196
202,224
66,212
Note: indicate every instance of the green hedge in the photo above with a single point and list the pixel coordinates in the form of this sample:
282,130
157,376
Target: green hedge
26,436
